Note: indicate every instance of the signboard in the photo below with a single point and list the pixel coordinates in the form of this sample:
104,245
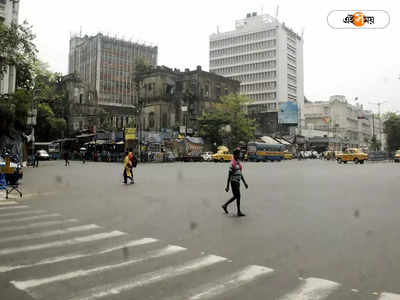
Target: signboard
288,113
130,134
182,129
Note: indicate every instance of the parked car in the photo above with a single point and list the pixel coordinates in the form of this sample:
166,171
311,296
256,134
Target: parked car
207,156
397,156
43,155
352,154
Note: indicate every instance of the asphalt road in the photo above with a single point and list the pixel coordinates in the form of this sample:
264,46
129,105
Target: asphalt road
313,230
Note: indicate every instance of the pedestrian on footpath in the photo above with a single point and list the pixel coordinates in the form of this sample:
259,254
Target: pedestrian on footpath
234,178
127,168
66,157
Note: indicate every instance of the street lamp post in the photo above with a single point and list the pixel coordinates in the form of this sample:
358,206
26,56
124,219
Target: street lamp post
184,109
380,120
32,116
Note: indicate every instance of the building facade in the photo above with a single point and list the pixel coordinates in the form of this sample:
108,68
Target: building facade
350,124
106,65
266,57
81,112
8,15
173,100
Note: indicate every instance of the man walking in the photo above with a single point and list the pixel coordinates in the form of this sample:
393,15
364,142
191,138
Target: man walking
234,177
66,157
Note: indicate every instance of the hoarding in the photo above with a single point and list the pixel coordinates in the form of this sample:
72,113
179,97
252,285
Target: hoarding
130,133
288,113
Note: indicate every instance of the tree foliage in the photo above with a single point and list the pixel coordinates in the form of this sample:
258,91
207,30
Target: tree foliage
227,122
375,145
45,93
392,129
142,66
17,49
48,127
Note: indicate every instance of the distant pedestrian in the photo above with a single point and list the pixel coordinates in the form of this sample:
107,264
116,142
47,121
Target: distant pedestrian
83,155
127,168
36,159
66,157
234,178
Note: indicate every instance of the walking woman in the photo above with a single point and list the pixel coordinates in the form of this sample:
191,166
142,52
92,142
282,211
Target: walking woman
234,178
127,168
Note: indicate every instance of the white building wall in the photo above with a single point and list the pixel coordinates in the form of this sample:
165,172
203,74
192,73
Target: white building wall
346,121
300,80
269,85
8,14
282,77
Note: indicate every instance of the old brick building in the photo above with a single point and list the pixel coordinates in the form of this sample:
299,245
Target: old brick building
106,65
172,99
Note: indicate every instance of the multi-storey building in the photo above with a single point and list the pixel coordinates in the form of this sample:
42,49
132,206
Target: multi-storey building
338,118
165,91
8,15
106,65
266,57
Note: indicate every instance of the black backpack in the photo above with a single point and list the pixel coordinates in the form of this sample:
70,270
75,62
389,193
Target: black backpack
134,162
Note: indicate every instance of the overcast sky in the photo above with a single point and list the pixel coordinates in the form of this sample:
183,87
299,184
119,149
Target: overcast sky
354,63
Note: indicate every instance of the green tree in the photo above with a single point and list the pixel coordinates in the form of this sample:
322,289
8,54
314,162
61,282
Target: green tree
375,144
48,127
227,122
17,49
14,109
391,127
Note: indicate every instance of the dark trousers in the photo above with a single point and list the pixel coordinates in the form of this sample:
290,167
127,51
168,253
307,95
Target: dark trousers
235,186
36,162
126,176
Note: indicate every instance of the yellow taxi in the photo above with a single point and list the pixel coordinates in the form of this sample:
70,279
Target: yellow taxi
222,155
352,154
287,155
397,156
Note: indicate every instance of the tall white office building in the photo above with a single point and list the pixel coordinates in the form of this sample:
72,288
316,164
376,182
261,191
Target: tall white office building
266,57
8,15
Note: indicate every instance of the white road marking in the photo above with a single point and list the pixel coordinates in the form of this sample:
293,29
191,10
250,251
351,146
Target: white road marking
313,289
21,213
389,296
29,218
74,241
8,202
14,207
78,255
28,284
39,194
36,225
230,282
31,236
149,278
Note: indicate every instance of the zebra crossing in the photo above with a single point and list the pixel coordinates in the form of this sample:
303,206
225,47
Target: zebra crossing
47,256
